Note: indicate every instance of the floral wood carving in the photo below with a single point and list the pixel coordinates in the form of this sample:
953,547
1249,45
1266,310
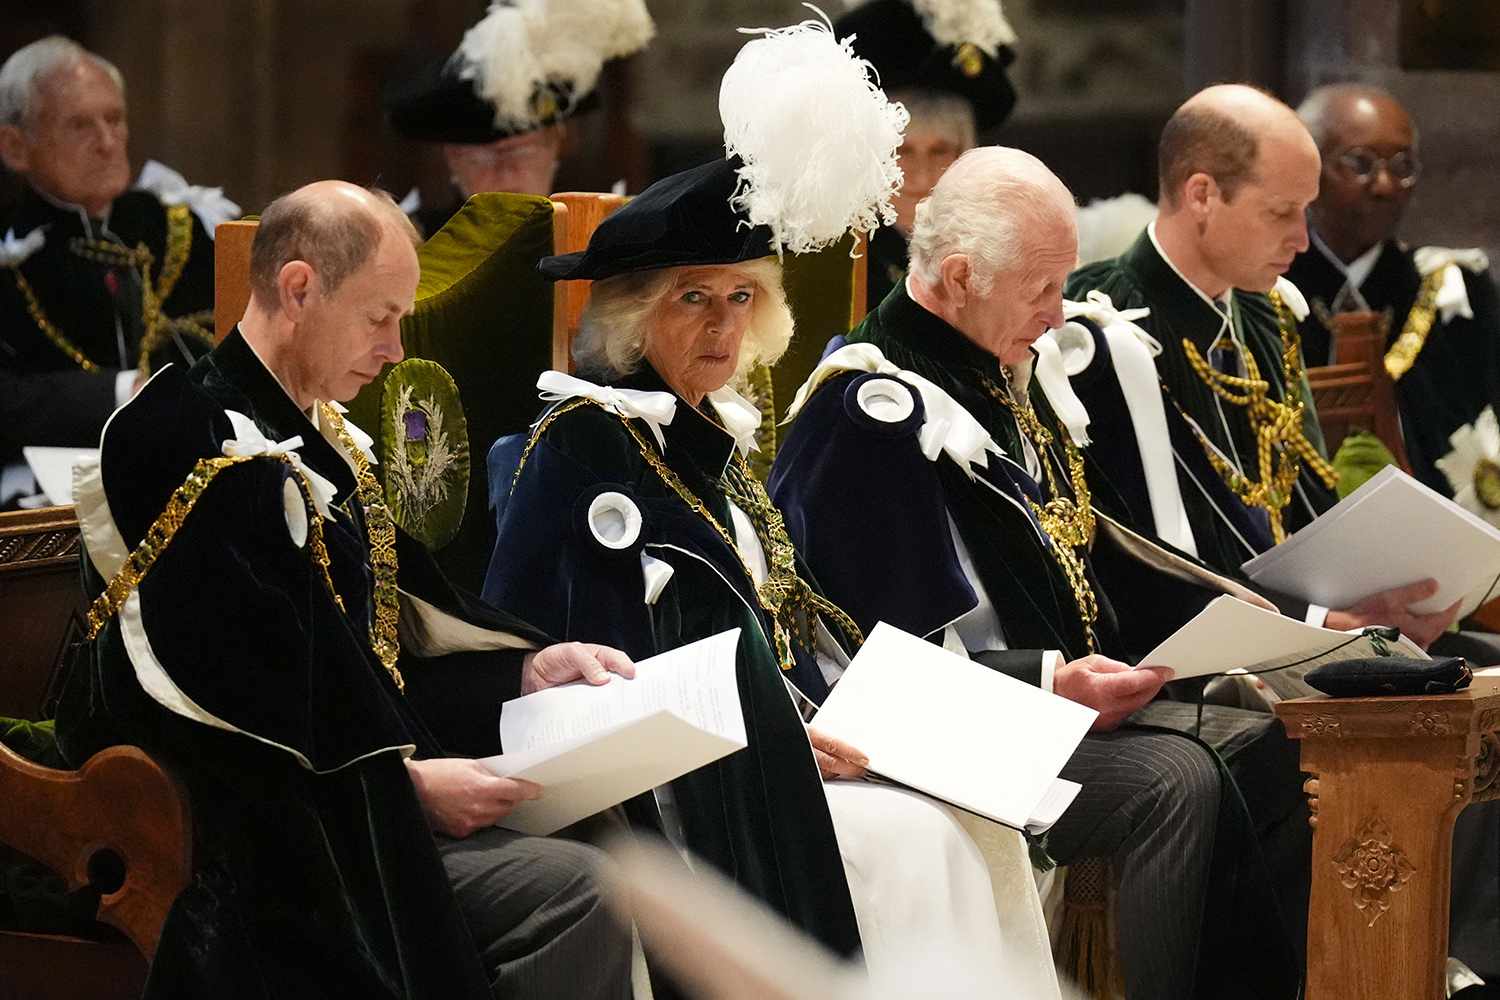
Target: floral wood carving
1430,724
1320,725
1372,867
1487,768
1489,720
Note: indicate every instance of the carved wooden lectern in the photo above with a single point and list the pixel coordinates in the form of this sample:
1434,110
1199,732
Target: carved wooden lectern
1388,778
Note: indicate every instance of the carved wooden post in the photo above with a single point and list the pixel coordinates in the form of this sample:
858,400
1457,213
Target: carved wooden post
1388,778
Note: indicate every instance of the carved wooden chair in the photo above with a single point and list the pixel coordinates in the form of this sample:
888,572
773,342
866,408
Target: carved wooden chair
119,824
1356,392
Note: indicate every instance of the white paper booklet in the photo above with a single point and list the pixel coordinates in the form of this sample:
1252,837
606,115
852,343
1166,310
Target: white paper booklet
946,726
53,469
1232,635
1390,532
591,747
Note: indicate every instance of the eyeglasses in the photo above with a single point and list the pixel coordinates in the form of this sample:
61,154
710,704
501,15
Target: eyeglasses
1363,165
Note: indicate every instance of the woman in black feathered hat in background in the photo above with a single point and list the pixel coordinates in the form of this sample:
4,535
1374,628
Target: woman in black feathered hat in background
629,515
945,61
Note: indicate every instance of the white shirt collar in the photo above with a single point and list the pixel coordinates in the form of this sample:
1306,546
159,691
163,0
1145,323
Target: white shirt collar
1218,304
1357,270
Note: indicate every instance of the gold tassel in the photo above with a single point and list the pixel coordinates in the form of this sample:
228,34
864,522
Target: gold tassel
1085,951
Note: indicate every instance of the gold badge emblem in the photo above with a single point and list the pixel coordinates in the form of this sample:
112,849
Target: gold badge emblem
1487,483
969,60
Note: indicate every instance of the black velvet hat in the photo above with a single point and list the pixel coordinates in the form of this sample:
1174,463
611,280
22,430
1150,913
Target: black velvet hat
681,220
893,37
436,105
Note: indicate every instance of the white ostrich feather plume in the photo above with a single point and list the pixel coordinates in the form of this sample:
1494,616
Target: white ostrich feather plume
953,22
521,45
817,137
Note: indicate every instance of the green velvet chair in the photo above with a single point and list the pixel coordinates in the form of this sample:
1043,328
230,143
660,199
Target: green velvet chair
485,315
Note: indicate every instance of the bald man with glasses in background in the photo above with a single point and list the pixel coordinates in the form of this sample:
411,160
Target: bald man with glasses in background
1444,338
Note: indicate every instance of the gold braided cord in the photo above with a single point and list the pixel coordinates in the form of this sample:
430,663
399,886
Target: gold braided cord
1068,520
50,330
1413,337
162,530
380,529
787,599
1281,447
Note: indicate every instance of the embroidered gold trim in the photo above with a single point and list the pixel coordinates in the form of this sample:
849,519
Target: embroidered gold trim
1413,337
162,530
787,599
380,529
1277,425
1067,520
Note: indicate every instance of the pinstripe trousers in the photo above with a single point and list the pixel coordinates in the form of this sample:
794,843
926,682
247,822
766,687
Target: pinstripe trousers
1151,806
534,911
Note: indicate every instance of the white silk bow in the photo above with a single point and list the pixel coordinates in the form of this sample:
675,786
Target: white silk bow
1453,297
655,408
248,440
1096,306
740,417
15,249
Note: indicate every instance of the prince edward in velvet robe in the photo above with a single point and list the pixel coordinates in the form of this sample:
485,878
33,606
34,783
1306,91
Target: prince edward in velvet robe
249,669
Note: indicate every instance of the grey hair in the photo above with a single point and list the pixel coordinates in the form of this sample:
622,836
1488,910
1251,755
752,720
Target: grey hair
28,67
946,114
982,207
1316,109
616,323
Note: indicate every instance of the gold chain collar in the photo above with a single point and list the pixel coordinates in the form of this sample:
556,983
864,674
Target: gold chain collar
162,530
156,328
380,529
1281,446
1413,337
787,599
1067,519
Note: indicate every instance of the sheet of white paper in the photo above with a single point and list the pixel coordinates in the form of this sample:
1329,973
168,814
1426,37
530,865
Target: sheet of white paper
593,747
947,726
53,469
1232,635
1055,801
606,769
1391,531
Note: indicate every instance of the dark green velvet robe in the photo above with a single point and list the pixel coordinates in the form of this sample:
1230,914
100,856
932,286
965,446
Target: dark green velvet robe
1456,375
315,873
759,815
1140,277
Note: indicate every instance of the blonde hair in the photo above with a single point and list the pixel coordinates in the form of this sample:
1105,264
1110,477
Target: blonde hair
617,321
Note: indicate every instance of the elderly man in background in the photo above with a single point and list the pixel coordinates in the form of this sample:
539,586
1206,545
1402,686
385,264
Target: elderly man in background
97,283
928,483
1444,338
341,849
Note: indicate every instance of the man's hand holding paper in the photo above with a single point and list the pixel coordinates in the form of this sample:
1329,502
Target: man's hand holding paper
1394,607
1113,689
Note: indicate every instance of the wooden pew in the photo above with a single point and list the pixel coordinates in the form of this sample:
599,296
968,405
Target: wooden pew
1356,392
120,811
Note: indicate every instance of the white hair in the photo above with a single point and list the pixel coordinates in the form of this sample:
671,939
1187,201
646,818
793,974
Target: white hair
944,114
617,321
983,207
28,68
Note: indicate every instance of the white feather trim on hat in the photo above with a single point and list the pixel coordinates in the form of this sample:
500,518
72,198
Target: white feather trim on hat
980,23
522,46
817,137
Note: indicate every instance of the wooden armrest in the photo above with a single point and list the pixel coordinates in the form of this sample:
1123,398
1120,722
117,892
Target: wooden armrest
120,802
